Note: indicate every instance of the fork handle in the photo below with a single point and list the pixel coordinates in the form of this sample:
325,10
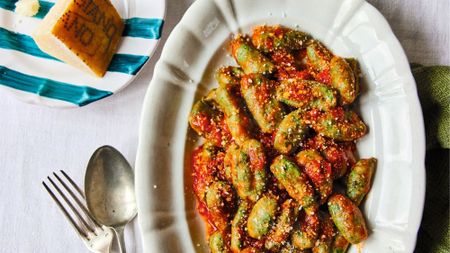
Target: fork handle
120,239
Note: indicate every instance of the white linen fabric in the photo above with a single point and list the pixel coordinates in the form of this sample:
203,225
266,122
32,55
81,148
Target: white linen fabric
36,140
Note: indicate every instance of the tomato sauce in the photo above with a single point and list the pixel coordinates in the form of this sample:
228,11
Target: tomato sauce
324,77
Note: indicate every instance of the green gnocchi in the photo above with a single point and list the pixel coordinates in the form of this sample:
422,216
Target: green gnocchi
279,141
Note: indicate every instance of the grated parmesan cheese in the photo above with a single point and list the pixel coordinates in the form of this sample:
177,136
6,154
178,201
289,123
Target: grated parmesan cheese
27,8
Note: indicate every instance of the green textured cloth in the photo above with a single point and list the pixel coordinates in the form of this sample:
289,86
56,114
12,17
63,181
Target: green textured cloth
433,86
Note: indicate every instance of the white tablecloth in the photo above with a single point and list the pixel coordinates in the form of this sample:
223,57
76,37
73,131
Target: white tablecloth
37,140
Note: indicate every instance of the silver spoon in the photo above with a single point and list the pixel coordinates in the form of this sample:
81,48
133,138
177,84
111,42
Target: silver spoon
109,188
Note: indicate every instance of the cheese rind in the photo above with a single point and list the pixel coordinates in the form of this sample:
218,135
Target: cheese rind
82,33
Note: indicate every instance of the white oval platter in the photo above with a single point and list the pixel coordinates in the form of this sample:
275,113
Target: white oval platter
388,104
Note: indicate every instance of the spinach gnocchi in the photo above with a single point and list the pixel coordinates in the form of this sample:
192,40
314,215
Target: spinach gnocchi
277,171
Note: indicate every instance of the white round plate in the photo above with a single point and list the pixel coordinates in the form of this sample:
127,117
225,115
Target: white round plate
35,77
388,104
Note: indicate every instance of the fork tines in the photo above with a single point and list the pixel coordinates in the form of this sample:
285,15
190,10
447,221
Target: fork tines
82,221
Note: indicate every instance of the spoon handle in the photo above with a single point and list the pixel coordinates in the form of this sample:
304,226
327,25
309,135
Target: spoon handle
120,239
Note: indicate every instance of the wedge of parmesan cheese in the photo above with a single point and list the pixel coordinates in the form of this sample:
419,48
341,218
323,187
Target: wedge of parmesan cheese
82,33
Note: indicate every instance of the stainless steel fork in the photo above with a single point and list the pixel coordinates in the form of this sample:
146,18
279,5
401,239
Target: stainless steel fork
96,237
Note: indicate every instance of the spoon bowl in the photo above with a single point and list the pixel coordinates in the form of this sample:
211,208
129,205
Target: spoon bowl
109,188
